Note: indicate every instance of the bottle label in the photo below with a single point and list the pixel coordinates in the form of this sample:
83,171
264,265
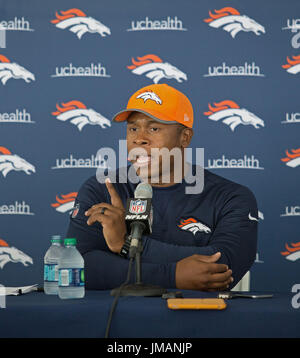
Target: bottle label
51,272
71,277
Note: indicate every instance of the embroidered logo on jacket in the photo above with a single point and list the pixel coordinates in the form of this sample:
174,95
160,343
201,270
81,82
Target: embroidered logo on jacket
194,226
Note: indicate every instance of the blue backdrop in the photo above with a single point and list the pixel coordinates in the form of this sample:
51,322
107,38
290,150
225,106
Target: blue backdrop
66,65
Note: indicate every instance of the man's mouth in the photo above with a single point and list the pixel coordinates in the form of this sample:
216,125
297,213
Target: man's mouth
142,160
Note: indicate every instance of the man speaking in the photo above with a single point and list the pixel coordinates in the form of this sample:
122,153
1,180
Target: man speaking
199,241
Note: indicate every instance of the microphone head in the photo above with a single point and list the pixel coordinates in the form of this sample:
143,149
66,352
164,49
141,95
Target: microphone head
143,191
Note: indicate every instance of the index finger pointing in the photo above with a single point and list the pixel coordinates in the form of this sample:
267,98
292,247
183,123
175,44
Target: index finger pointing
114,196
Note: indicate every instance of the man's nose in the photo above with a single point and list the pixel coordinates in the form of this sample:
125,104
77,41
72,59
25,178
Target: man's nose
141,138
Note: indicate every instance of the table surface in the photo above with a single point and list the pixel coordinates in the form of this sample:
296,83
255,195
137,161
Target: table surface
37,315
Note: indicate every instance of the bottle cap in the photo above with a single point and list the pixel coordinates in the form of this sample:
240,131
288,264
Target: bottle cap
70,241
56,238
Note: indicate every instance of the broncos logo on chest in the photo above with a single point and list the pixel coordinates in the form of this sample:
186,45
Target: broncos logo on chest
193,226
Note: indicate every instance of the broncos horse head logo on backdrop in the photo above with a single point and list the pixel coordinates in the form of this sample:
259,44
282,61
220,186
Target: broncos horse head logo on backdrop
231,114
292,253
13,70
9,161
233,22
154,68
11,254
292,159
292,66
79,115
65,203
77,22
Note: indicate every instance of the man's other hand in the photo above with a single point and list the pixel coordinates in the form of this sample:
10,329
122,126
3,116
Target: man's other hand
201,272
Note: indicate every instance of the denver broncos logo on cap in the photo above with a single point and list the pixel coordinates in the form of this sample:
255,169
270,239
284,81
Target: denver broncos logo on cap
233,22
292,160
194,226
154,68
231,114
150,95
13,70
80,115
292,66
78,23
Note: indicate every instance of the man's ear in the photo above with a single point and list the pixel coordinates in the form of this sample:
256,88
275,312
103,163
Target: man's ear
186,137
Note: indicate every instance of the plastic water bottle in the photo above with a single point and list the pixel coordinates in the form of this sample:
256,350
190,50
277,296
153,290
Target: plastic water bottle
71,271
51,266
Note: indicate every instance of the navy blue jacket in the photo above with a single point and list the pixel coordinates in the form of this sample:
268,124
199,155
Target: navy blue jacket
223,217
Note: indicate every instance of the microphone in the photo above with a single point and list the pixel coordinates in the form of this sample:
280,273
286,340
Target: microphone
139,215
138,218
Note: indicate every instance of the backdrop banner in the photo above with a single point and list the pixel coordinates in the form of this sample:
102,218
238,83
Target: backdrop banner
66,67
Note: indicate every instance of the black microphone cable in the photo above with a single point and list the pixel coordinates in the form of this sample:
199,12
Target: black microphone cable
115,301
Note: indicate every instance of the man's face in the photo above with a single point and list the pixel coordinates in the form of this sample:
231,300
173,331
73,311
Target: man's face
143,135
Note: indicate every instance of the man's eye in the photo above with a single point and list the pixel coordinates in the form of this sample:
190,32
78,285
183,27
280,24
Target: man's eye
132,129
154,129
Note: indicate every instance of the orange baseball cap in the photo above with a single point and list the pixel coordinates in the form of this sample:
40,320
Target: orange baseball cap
161,102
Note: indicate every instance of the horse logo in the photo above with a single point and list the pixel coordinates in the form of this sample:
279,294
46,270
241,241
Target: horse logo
77,22
9,161
231,114
292,253
10,70
233,22
193,226
65,203
292,66
78,114
11,254
154,68
150,95
292,159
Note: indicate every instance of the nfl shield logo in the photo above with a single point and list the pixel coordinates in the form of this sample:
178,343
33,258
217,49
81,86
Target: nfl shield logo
137,206
75,211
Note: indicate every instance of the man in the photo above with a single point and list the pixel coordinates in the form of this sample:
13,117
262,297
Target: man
204,241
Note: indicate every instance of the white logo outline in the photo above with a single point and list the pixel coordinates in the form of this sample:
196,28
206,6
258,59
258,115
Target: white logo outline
78,114
194,226
230,113
154,68
150,95
233,22
79,23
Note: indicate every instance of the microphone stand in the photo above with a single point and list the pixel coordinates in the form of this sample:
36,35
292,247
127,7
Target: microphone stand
138,288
